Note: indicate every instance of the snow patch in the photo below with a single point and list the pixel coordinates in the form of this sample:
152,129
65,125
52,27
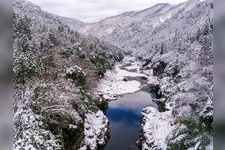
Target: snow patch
95,130
156,126
114,83
109,31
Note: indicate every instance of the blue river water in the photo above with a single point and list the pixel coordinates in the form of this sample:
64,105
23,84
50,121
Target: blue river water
124,116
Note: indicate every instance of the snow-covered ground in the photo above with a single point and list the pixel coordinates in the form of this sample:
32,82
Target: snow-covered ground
29,133
95,130
156,126
114,83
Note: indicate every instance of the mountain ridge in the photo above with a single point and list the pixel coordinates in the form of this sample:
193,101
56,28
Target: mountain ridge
36,12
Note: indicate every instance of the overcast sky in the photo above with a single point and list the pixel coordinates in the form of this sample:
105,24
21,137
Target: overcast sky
95,10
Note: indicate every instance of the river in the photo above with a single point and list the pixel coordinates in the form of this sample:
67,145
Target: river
124,115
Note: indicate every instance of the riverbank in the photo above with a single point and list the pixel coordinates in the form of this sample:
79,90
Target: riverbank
128,77
116,82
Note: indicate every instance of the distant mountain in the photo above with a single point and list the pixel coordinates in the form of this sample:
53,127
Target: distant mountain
35,12
72,23
156,9
130,30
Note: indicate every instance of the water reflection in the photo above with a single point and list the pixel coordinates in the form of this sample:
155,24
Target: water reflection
125,117
120,115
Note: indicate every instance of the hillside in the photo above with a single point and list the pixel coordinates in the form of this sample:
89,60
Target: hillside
55,70
38,15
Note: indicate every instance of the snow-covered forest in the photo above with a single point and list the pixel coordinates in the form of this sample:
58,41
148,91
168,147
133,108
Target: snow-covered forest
65,71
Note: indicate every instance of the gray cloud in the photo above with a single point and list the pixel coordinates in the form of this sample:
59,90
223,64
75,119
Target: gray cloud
95,10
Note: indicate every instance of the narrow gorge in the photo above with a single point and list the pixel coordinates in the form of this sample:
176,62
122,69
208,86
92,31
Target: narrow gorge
138,80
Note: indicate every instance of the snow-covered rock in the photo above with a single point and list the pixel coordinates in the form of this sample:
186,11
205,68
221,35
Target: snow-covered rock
96,130
155,128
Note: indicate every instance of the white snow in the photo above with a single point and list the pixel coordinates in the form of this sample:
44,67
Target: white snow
114,85
71,126
124,73
75,69
29,133
156,127
109,31
133,67
95,130
197,145
210,146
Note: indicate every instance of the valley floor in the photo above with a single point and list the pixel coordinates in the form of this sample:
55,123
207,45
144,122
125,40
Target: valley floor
127,77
